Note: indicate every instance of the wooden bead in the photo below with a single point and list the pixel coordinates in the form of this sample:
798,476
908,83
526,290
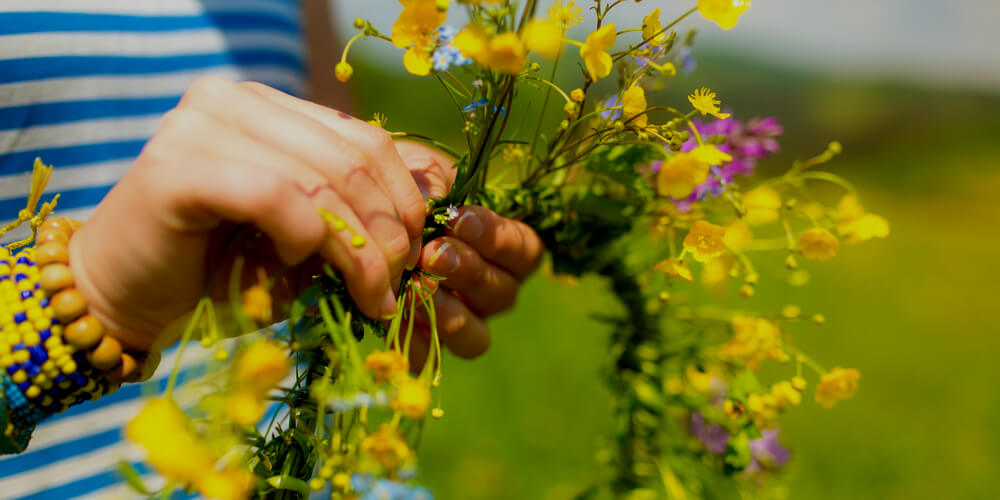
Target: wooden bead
68,305
52,236
56,224
84,333
55,277
51,252
106,355
126,371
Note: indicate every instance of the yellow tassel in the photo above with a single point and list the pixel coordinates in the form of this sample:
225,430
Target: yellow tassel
40,175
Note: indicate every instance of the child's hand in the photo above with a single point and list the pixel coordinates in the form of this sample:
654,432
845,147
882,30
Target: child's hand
483,258
244,153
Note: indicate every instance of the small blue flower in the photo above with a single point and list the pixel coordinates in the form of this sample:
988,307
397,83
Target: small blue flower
688,64
481,103
611,114
361,483
452,213
446,33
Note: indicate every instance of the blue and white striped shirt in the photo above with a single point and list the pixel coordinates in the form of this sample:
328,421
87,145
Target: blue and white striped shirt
83,85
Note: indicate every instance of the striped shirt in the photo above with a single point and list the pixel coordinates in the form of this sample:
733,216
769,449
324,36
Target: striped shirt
83,85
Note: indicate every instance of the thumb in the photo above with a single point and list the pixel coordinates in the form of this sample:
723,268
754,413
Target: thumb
432,170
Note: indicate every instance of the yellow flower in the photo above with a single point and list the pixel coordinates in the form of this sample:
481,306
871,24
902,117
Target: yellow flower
725,13
754,340
473,43
738,234
386,447
818,244
710,154
699,380
412,398
245,407
506,53
162,430
413,31
577,95
679,175
705,241
567,13
651,27
595,51
705,102
715,274
262,366
634,104
229,484
762,205
386,364
836,385
343,71
543,37
675,268
855,225
785,394
257,304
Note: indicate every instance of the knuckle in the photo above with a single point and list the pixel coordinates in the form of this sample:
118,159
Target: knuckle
266,193
370,266
397,245
377,140
206,87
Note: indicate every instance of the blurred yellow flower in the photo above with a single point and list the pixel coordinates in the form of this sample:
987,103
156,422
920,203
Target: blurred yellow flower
543,37
738,234
715,274
634,105
855,225
679,175
785,394
577,95
819,244
473,43
710,154
229,484
506,53
704,101
762,205
675,268
651,27
413,30
705,241
836,385
384,365
386,447
257,304
754,340
413,398
262,366
566,13
725,13
595,51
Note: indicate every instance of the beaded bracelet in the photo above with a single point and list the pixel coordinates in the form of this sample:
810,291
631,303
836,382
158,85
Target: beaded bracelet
52,354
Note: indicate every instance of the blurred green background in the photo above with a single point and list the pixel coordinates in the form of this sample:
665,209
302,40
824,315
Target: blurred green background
916,313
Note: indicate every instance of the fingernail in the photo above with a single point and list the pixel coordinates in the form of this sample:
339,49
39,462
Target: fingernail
388,308
444,260
469,227
415,246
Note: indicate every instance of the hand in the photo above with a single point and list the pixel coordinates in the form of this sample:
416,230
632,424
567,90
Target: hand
233,156
483,258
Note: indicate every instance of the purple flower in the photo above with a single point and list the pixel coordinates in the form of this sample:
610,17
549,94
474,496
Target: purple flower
767,452
611,114
713,436
688,64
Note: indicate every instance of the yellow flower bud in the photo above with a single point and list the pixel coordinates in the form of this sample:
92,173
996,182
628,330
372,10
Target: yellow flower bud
343,71
577,95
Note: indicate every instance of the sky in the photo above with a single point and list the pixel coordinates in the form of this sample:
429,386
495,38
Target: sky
950,43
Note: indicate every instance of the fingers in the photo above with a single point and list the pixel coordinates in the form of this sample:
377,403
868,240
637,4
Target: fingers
486,288
460,329
510,244
433,171
347,168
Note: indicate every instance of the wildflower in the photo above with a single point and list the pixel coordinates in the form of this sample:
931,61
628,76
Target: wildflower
595,51
836,385
818,244
705,102
762,205
785,394
798,383
711,155
566,13
767,452
725,13
386,446
651,28
577,95
675,268
543,37
451,212
245,407
855,225
612,108
679,175
412,31
412,398
229,484
257,304
162,429
634,105
687,61
386,364
506,53
262,366
754,340
738,234
473,43
705,241
474,105
343,71
712,435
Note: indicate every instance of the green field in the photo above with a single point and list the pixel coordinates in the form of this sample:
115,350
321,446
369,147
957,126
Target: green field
916,313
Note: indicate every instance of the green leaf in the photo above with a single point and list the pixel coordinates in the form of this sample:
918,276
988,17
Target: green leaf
621,164
737,453
289,483
132,477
